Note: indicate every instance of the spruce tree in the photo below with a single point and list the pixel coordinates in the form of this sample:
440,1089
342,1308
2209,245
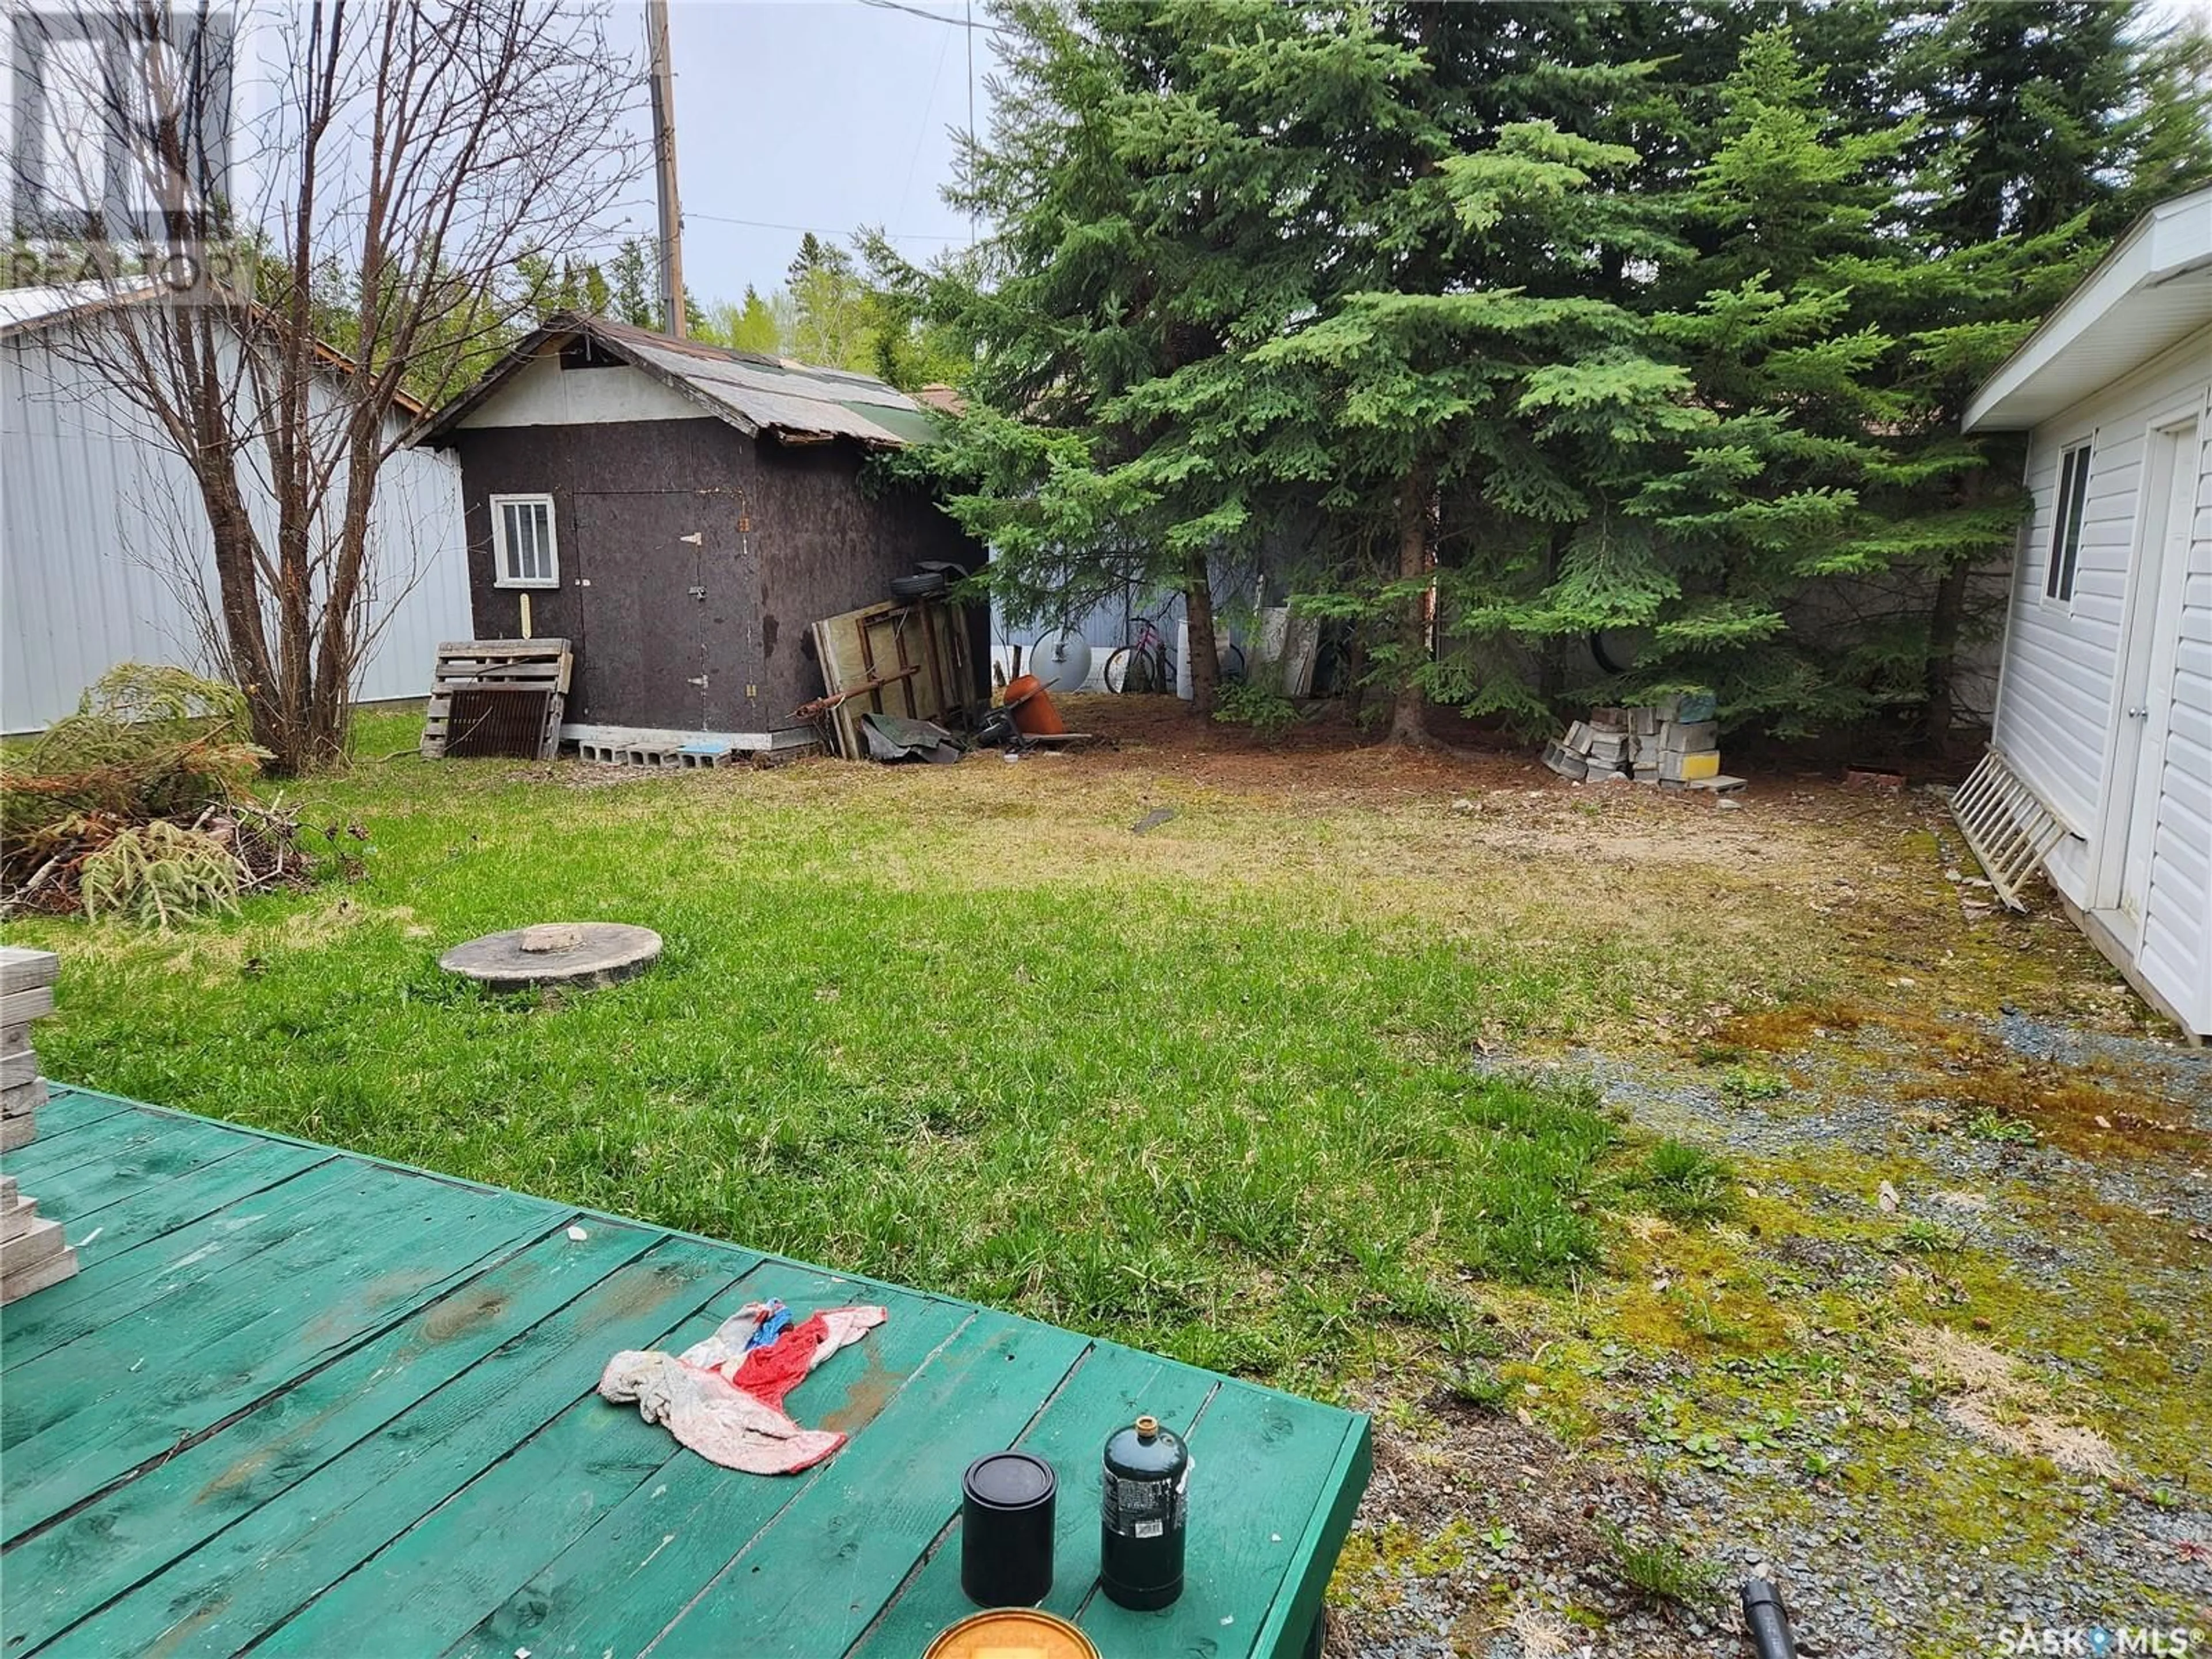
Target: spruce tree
1170,191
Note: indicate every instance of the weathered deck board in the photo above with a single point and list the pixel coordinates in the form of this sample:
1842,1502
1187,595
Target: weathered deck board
623,1582
93,1410
1266,1456
254,1192
1110,1385
302,1401
71,1569
810,1583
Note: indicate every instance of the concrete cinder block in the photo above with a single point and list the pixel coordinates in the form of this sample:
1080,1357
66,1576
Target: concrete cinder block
1565,760
1689,737
21,1099
1685,768
17,1132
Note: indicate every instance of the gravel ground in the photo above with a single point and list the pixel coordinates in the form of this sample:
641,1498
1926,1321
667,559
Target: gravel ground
1908,1195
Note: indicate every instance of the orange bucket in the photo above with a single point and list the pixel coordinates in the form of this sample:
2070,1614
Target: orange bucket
1012,1633
1030,704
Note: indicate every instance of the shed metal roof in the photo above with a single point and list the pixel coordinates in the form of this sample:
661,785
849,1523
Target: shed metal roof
26,311
2152,291
794,402
23,310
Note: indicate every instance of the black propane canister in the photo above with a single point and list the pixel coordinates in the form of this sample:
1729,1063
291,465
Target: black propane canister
1005,1530
1143,1509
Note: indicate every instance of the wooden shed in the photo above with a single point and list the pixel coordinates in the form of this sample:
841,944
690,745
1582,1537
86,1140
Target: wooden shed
682,514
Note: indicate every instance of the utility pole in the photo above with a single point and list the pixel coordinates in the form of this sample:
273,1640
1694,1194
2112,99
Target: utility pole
664,157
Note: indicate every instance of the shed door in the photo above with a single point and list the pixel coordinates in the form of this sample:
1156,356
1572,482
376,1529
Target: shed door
643,629
2149,677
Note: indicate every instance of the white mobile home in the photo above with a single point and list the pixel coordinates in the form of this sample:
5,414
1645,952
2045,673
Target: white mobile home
2105,697
102,532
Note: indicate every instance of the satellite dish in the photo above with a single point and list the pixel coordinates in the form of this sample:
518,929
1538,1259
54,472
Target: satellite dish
1061,660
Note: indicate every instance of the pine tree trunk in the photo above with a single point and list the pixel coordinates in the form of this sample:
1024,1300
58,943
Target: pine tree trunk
1551,655
1205,653
1943,625
1409,704
1945,622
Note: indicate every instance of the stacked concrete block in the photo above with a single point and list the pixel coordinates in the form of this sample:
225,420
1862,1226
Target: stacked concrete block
1675,742
31,1253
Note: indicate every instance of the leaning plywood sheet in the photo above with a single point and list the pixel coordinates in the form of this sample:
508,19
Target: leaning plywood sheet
497,697
906,658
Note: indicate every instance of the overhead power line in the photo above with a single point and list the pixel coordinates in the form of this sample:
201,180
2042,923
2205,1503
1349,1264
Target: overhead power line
771,224
966,22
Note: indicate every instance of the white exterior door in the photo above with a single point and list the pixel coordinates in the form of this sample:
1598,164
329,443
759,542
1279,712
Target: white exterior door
2147,666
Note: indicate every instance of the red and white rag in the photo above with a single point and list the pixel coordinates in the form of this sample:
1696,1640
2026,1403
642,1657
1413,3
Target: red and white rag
727,1403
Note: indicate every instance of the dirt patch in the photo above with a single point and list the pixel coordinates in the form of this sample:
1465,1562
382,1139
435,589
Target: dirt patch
2091,1117
1988,1394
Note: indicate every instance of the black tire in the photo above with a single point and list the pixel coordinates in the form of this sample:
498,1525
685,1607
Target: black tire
919,586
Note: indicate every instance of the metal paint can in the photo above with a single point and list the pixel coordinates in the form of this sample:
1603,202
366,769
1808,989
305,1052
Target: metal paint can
1006,1502
1022,1633
1144,1506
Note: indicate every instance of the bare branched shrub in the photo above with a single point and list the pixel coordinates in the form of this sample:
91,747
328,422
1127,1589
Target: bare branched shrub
398,161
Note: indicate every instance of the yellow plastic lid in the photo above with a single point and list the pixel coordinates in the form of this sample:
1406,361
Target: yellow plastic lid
1012,1633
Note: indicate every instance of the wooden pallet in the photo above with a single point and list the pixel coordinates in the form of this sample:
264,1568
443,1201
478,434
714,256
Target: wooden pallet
2006,824
501,665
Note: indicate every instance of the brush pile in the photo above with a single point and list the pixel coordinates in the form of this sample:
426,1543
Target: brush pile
139,805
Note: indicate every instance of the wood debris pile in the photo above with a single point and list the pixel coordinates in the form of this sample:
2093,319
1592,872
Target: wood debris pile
138,805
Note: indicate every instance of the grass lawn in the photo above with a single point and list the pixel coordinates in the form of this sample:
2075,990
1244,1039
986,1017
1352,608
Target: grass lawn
1228,1089
1210,1090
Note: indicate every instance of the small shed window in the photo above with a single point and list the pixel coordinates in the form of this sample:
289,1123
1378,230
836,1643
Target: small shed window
2066,525
523,551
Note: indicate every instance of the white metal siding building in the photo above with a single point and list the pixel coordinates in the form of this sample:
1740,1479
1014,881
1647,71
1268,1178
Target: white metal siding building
101,525
2104,696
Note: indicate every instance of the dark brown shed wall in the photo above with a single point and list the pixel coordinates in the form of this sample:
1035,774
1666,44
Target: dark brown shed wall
624,494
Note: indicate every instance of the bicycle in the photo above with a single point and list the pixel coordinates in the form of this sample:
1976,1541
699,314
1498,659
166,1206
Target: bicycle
1140,668
1145,666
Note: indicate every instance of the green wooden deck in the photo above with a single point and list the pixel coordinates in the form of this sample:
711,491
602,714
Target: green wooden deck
307,1402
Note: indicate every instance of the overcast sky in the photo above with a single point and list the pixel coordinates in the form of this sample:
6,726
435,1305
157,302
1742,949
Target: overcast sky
813,114
827,115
